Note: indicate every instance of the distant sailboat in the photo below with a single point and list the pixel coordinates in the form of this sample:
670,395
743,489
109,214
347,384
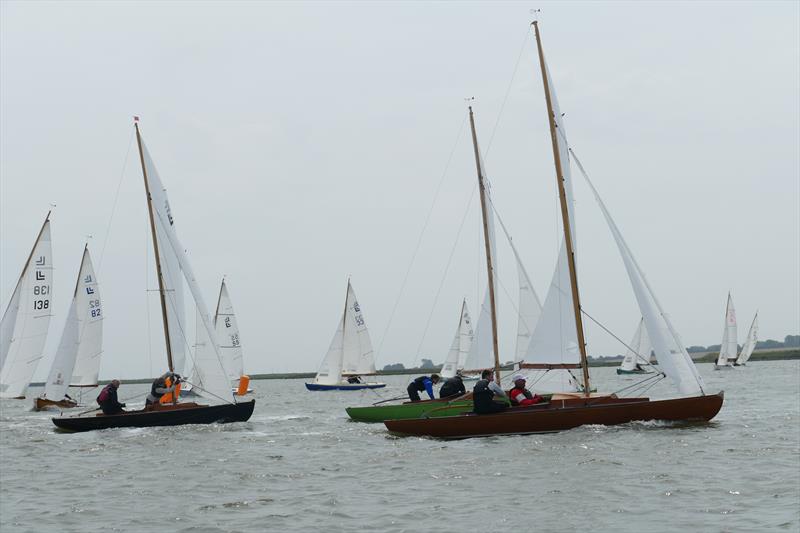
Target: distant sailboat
729,346
77,360
228,334
172,268
461,345
350,354
749,343
23,329
638,353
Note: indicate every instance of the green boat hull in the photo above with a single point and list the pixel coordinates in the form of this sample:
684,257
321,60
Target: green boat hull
431,408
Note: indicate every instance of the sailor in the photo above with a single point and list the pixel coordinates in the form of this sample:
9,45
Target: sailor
107,399
453,386
487,395
519,395
354,379
160,387
422,383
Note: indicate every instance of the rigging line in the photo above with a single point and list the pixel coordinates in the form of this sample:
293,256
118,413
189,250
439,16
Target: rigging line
508,91
194,385
590,317
422,232
444,274
114,205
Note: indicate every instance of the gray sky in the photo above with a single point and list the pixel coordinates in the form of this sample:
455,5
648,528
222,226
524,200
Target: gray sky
301,143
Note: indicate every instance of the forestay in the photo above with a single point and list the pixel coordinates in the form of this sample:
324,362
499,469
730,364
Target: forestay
729,346
749,343
462,341
638,350
208,362
669,349
80,347
27,318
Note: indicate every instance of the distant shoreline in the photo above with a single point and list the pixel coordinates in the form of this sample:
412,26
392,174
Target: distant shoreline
779,354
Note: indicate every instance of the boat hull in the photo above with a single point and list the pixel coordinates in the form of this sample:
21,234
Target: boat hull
626,372
436,408
561,415
344,386
40,404
165,415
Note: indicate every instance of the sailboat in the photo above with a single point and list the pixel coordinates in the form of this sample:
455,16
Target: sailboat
638,353
729,346
227,329
350,354
77,360
565,411
172,264
23,328
749,343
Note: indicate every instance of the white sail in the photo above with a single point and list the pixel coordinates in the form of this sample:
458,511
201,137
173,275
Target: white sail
90,337
330,370
81,341
749,343
729,346
208,361
481,351
462,341
639,350
357,355
228,334
555,337
670,351
27,319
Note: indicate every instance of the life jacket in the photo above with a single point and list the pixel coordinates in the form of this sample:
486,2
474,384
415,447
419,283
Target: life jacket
482,396
452,387
523,397
104,395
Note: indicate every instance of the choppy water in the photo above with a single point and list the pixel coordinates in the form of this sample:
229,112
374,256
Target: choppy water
300,464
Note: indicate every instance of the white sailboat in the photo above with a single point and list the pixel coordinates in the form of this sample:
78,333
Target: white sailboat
638,353
23,328
211,377
462,341
350,354
729,346
77,360
227,329
749,343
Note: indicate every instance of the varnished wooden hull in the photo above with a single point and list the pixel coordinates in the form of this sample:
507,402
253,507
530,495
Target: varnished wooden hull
40,404
561,415
163,415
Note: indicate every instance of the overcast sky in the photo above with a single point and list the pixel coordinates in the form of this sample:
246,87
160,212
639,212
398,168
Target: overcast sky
302,143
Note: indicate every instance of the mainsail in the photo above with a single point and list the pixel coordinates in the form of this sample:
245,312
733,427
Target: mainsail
729,346
77,360
462,341
749,343
24,325
639,349
208,361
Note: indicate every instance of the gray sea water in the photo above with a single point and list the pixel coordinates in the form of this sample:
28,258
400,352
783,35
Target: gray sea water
301,465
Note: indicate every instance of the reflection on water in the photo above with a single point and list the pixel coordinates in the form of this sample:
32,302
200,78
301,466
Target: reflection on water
300,464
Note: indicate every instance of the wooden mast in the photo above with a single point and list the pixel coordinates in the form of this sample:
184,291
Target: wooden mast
161,289
489,266
562,194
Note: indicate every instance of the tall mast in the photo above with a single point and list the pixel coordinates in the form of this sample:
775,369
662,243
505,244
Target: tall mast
489,267
161,289
562,194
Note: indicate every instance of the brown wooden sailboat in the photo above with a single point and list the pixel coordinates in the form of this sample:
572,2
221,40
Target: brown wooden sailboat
566,411
210,373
